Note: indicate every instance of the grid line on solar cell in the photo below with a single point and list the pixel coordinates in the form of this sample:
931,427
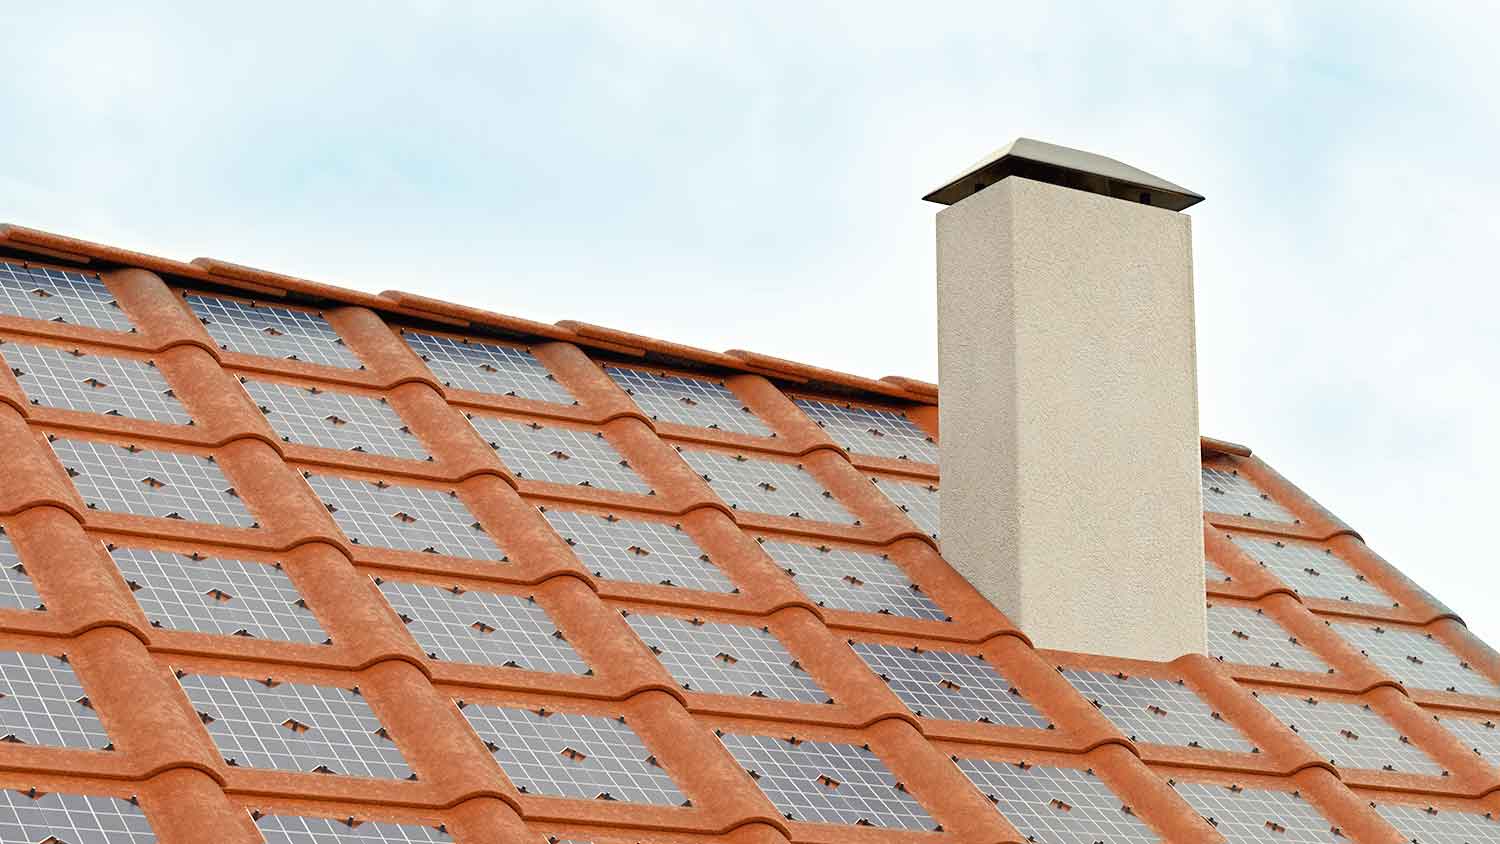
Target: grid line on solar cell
1157,710
1416,658
864,430
485,628
766,486
688,401
217,595
1248,636
488,368
917,500
1056,804
1259,815
1228,492
61,818
1349,735
536,452
852,580
332,419
58,296
165,484
408,518
76,380
255,329
1213,573
293,726
1313,571
1482,737
43,702
16,589
1431,825
726,659
950,685
827,782
585,757
638,551
302,829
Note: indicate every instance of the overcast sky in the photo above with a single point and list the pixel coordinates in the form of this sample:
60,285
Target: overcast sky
751,180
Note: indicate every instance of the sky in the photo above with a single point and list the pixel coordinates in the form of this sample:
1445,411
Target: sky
749,176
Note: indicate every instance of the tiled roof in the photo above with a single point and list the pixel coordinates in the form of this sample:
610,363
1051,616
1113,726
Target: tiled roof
288,563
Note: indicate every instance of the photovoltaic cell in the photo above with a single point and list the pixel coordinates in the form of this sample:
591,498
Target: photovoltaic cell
1349,735
1057,805
726,659
301,829
58,296
31,816
826,782
917,500
688,401
766,486
1159,711
1215,574
1416,658
1250,637
1225,491
485,628
332,419
76,380
407,518
950,685
1313,570
165,484
852,580
293,726
864,430
1259,815
585,757
1481,736
488,368
16,589
42,702
1430,825
638,551
558,455
256,329
217,595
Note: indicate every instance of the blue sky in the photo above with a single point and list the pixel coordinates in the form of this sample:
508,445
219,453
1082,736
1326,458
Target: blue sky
750,177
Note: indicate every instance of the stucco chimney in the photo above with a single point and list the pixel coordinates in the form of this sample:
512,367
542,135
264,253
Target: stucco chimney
1069,412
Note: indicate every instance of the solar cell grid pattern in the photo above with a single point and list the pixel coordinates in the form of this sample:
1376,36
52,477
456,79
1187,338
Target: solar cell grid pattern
480,627
17,592
726,659
1349,735
853,580
42,702
293,727
58,296
1248,636
638,551
919,501
950,685
488,368
1313,571
1225,491
300,829
766,486
558,455
145,482
568,755
864,430
1480,735
407,518
688,401
827,782
332,419
1417,659
1259,815
1214,573
1429,825
61,818
217,595
1056,805
1159,711
76,380
272,332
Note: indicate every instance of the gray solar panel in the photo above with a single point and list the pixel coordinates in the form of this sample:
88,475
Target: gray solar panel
165,484
1226,491
1416,658
43,702
1313,570
59,296
488,368
1056,805
16,589
485,628
1481,735
1259,815
557,455
950,685
1250,637
865,430
255,329
919,501
637,550
1431,825
30,816
71,379
688,401
766,486
1159,711
1349,735
331,419
727,659
408,518
853,580
301,829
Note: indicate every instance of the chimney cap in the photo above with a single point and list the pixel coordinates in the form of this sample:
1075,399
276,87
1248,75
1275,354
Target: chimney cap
1068,167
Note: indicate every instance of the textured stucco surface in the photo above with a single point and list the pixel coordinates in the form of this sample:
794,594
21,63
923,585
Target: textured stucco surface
1070,492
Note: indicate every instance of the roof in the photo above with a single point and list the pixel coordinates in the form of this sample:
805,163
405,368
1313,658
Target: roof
1074,168
291,563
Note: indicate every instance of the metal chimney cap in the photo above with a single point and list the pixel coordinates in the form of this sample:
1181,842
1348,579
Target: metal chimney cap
1067,167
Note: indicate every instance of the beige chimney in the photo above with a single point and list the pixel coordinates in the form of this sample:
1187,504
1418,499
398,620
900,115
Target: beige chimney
1069,414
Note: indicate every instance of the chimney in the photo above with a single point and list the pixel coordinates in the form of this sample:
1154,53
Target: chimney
1069,415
